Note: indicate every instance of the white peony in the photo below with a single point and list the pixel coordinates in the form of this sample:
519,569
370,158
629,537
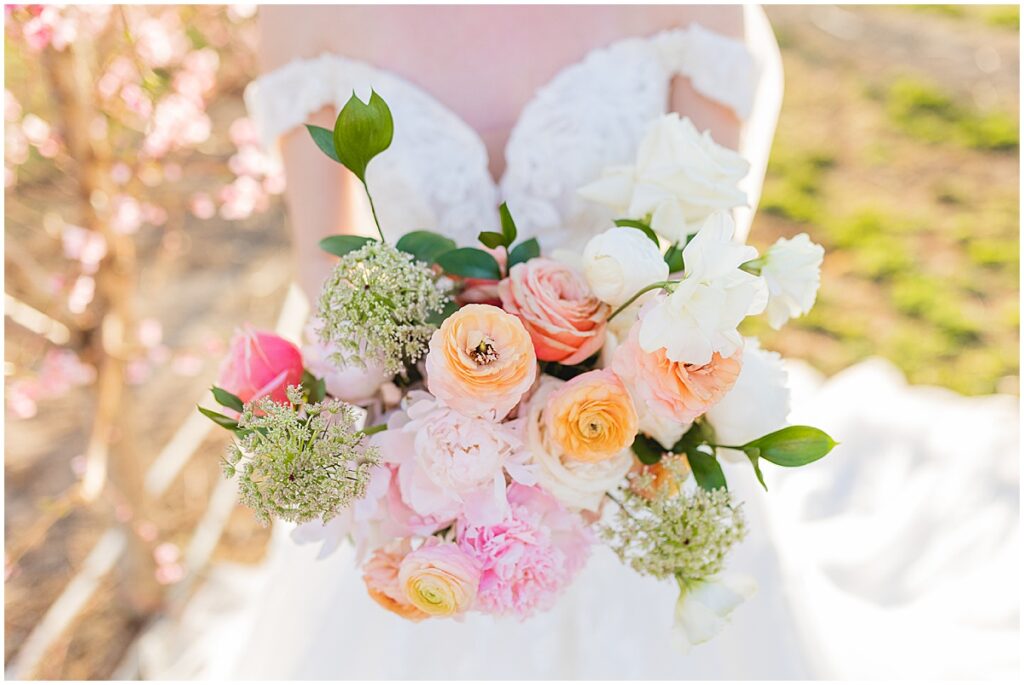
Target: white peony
576,484
680,178
620,262
703,607
757,405
792,271
701,315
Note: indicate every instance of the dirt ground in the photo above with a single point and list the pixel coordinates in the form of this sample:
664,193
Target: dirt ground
844,156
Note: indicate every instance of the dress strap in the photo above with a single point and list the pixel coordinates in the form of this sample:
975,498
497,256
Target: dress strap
720,68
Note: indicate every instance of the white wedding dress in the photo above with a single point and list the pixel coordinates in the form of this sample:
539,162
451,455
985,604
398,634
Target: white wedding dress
894,556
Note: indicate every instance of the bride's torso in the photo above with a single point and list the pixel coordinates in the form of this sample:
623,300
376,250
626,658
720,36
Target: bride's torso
576,98
500,55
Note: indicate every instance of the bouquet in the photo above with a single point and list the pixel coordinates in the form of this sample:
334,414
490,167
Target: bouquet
476,418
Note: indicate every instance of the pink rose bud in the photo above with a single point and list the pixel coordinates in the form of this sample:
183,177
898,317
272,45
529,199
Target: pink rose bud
260,364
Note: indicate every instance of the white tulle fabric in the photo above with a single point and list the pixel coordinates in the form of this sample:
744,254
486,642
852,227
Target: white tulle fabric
592,115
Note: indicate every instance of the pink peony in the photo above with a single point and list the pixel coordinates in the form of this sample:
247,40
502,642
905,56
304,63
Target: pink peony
260,364
449,464
530,556
674,391
563,316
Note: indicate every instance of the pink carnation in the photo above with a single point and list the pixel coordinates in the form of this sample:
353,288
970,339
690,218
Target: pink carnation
530,556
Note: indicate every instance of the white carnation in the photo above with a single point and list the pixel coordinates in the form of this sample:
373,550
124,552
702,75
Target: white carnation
792,271
620,262
701,315
680,178
576,484
757,405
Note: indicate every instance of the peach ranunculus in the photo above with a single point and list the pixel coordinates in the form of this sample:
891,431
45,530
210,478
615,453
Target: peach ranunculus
563,315
380,573
481,361
440,579
592,416
260,364
675,391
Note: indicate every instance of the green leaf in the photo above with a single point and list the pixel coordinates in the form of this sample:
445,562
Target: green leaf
792,446
324,139
219,419
523,252
706,469
647,450
227,399
437,318
469,262
639,225
508,226
316,388
426,246
492,240
754,456
341,245
674,259
361,132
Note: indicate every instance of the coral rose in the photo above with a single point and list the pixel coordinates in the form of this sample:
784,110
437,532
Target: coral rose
440,579
481,361
380,573
260,364
674,390
563,315
591,417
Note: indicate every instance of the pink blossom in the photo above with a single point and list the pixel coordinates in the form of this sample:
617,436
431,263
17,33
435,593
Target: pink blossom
126,214
202,206
85,246
530,556
450,464
260,364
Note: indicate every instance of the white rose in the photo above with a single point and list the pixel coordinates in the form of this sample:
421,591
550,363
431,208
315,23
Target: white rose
701,315
680,178
576,484
792,271
757,405
620,262
704,606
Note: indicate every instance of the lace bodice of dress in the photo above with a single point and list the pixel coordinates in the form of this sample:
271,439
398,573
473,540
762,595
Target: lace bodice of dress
591,115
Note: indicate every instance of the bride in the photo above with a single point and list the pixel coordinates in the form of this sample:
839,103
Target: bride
526,104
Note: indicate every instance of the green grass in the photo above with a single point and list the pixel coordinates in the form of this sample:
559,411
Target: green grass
929,113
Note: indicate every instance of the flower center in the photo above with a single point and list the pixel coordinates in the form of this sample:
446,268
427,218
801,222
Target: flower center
484,353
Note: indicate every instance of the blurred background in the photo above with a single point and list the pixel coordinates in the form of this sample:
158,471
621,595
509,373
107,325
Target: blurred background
143,224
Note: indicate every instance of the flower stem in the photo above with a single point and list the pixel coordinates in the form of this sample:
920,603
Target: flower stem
652,286
373,210
370,430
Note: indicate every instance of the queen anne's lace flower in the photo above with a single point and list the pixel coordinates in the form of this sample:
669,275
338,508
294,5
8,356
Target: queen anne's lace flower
376,304
299,462
685,535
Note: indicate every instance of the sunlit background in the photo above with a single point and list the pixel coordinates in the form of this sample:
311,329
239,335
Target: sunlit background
142,224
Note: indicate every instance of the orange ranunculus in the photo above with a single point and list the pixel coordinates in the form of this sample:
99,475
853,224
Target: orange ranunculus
481,361
592,417
380,573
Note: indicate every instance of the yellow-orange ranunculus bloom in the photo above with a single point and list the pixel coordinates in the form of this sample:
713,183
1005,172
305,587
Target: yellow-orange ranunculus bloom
592,417
380,573
481,361
440,579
